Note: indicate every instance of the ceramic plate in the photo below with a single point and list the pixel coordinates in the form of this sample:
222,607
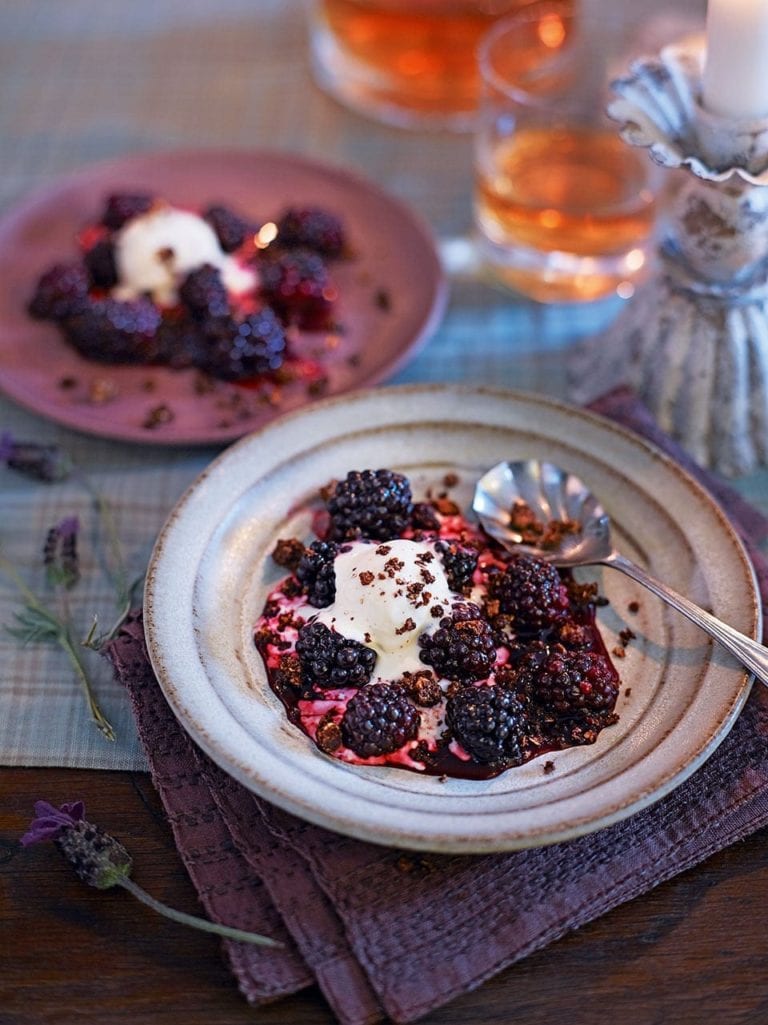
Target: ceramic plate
391,294
211,569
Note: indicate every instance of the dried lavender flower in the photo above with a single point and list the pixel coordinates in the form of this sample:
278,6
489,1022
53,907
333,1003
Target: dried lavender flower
36,622
97,858
49,821
47,463
60,558
103,862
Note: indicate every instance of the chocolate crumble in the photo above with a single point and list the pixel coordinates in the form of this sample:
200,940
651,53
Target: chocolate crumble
446,507
393,566
534,531
423,689
288,553
328,735
157,417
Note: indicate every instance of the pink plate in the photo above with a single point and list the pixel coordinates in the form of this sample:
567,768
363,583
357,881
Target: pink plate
392,294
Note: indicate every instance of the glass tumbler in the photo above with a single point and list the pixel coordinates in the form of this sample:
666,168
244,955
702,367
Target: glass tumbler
565,210
410,63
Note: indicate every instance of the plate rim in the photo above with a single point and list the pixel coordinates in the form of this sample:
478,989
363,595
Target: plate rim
20,208
451,843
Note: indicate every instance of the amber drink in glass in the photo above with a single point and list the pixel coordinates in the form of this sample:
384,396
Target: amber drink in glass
565,210
408,62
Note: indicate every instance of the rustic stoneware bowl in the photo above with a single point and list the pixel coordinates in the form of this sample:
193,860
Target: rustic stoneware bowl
211,570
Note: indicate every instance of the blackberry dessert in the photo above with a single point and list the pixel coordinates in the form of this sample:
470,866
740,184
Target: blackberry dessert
404,636
160,285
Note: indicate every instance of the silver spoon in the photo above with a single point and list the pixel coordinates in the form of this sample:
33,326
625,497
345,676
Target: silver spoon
555,494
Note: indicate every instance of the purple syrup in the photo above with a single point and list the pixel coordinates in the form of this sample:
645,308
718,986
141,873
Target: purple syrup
442,761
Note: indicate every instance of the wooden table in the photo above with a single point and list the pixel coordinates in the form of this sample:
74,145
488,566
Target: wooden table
691,951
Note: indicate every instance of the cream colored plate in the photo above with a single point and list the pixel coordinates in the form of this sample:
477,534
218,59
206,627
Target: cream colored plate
211,569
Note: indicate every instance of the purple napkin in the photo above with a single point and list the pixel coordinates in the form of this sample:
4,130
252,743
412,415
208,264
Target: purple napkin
365,921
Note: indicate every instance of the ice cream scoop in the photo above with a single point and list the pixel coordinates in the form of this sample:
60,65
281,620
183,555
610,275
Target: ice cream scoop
387,594
155,251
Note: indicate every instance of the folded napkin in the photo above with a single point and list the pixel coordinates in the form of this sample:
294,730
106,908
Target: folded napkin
389,933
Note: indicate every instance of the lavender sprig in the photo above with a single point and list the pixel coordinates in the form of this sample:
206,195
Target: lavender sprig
37,623
125,588
50,464
102,861
47,463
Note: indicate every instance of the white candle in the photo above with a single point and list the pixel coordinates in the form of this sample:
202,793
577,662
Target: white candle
735,82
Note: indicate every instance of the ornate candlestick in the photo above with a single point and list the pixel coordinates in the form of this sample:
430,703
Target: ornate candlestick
694,341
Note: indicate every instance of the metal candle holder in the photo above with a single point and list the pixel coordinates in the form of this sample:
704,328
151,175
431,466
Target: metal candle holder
693,342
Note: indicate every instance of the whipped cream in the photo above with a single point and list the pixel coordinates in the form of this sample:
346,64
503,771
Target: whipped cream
387,595
155,251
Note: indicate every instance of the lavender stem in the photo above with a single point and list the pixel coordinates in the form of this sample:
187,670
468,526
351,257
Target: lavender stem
197,923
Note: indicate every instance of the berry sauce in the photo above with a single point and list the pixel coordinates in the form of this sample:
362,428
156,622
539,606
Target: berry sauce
558,646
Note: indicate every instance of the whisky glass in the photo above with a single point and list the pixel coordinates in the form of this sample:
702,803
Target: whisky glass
411,63
565,211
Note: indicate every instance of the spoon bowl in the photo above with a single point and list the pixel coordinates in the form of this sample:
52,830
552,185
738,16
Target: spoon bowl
553,494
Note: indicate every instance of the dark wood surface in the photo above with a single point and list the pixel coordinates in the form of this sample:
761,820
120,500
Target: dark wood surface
694,950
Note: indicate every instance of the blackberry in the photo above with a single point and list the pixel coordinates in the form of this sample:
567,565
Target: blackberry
462,647
316,572
331,661
504,630
465,610
295,283
530,591
61,292
239,350
110,331
458,562
570,682
204,293
121,207
488,722
374,504
179,342
99,262
378,720
525,648
231,230
311,228
424,517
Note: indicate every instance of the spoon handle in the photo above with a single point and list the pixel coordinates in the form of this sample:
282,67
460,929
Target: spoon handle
752,655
